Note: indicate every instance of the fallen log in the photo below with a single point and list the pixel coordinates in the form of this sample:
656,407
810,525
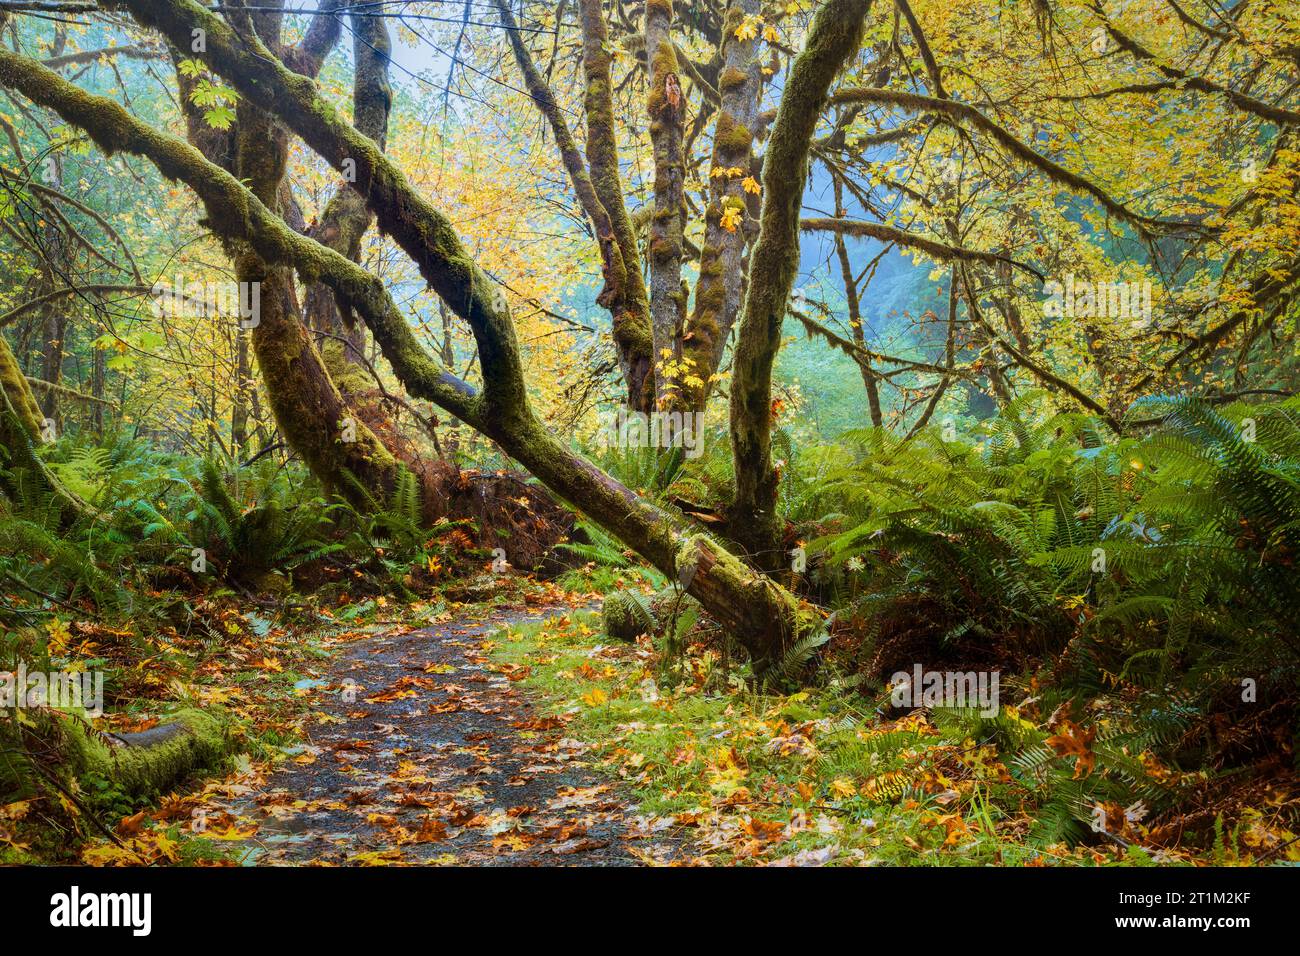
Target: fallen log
149,762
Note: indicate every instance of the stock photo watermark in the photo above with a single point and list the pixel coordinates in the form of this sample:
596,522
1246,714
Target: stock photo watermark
624,428
75,691
971,690
133,911
201,299
1080,298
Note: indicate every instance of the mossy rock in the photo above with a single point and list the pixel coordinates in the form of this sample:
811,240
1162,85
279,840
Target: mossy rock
272,582
626,616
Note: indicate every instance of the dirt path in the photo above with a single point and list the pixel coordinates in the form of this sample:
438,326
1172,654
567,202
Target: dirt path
428,756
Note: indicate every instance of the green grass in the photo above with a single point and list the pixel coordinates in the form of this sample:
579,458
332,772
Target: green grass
751,777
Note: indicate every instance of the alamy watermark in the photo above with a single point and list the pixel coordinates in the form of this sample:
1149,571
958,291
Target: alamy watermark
623,428
957,689
133,911
1083,299
81,691
202,299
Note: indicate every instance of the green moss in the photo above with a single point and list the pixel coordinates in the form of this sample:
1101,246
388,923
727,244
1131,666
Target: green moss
19,392
665,249
765,639
732,79
711,265
625,616
732,139
349,377
711,299
202,742
663,63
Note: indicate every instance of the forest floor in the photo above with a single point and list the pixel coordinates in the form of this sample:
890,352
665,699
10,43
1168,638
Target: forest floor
516,733
427,752
412,747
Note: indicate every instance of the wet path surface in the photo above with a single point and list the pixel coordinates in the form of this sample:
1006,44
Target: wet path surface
424,753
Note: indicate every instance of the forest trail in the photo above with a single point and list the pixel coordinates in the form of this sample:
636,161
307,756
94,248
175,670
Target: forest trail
424,752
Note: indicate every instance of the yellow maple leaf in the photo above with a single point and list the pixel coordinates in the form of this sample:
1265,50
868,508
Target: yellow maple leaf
59,636
17,810
748,28
166,847
751,185
842,788
731,218
595,698
109,854
231,832
377,858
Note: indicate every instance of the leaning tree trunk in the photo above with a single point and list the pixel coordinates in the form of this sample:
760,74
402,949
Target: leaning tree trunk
323,410
315,419
764,617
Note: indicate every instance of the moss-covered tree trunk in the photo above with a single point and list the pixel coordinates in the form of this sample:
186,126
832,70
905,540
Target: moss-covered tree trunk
631,306
23,475
721,283
19,393
317,421
241,406
835,37
666,106
346,218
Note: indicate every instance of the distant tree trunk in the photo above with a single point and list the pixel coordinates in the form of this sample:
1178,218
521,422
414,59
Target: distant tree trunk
97,376
58,256
666,106
984,339
243,387
56,327
446,353
869,379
